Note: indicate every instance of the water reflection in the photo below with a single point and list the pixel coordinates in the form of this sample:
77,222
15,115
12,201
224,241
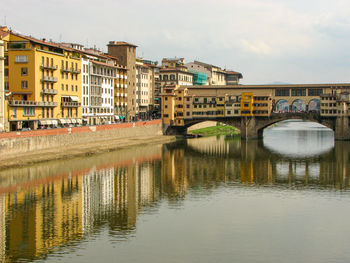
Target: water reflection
299,138
45,208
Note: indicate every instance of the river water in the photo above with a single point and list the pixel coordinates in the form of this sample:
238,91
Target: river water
218,199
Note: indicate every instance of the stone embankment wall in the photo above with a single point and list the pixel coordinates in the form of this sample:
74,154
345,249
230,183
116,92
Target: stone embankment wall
23,142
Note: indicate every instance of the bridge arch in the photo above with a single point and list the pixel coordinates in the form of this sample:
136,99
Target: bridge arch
313,117
314,105
281,106
298,105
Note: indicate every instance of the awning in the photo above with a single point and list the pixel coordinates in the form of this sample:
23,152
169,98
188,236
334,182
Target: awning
49,122
79,121
43,122
63,121
73,121
74,98
116,117
54,122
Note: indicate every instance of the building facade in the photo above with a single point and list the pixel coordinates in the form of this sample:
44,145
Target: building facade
126,53
44,83
2,87
216,75
181,103
145,88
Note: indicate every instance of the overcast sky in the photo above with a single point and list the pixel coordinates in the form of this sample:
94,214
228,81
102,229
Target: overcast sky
290,41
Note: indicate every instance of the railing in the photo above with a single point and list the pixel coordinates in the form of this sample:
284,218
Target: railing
63,69
49,79
28,103
71,104
75,71
47,104
52,67
49,91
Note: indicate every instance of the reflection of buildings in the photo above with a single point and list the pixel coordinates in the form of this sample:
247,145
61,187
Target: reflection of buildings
97,196
42,218
2,229
62,210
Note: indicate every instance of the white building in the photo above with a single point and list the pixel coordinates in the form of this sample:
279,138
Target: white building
98,81
145,85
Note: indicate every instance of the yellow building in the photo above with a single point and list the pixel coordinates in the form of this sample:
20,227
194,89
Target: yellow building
187,103
2,87
168,105
247,101
44,83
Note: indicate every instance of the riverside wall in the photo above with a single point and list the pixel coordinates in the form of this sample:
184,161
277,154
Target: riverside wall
13,143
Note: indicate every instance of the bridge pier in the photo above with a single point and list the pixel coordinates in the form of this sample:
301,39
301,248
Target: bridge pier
249,128
174,130
342,129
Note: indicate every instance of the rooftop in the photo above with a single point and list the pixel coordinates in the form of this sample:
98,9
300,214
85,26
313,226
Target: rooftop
120,43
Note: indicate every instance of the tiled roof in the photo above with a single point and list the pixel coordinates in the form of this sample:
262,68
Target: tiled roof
121,43
3,32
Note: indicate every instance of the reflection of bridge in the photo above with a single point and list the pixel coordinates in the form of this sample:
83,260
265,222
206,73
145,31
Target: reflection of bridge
252,162
251,108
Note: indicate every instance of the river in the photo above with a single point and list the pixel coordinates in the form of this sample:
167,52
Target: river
218,199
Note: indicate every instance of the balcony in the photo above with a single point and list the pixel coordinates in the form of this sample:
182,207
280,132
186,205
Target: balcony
48,67
63,69
49,79
71,104
25,103
49,91
75,71
47,104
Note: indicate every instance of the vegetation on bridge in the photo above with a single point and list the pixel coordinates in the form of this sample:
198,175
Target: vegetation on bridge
219,129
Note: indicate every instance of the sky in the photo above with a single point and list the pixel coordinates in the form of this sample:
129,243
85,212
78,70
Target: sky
268,41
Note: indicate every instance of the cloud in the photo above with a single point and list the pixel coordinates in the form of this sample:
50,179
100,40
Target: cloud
258,38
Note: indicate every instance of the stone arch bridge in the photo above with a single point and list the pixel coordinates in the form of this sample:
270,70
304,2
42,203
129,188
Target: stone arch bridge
252,127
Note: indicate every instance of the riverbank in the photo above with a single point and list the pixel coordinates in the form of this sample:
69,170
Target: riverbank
23,148
219,129
79,150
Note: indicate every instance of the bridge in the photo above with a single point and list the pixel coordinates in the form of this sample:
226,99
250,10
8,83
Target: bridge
253,108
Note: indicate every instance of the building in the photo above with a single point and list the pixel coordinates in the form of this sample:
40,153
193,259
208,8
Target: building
181,103
44,83
2,87
216,75
145,88
174,72
335,104
126,53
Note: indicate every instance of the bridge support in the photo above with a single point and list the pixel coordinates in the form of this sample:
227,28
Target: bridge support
249,128
174,130
342,129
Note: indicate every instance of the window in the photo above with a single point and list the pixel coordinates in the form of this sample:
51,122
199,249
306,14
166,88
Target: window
14,112
6,86
315,92
24,84
21,59
6,72
282,92
298,92
28,111
6,60
24,71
